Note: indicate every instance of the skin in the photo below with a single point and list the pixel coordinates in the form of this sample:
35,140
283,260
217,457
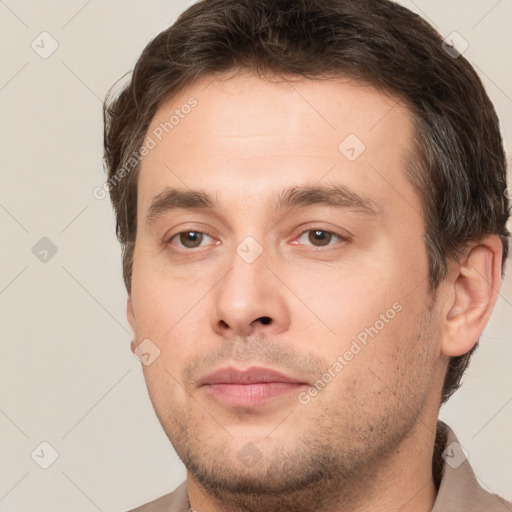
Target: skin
365,441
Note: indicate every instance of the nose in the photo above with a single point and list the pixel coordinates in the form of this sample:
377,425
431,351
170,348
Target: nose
249,300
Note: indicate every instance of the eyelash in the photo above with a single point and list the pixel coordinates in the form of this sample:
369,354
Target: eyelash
341,238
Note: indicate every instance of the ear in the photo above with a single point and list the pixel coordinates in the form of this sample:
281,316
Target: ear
474,283
130,315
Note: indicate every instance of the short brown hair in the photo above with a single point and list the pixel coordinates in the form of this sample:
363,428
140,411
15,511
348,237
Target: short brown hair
459,166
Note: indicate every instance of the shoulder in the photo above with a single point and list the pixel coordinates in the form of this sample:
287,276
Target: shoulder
176,501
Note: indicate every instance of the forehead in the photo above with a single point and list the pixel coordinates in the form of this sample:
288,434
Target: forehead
258,134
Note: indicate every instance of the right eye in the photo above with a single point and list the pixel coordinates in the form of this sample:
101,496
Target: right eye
188,239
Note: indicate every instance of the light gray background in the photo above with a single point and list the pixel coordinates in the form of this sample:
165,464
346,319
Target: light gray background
67,375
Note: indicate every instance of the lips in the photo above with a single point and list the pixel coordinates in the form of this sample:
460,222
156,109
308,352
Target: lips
250,376
250,387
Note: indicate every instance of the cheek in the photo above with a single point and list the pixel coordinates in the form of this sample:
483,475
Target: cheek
162,301
163,316
164,389
351,297
346,301
388,371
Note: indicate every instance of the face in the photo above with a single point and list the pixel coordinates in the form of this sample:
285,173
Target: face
281,278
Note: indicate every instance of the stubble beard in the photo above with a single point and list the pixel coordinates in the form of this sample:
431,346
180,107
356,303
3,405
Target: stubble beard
331,465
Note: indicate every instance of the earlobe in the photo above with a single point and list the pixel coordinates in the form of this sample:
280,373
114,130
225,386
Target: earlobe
475,287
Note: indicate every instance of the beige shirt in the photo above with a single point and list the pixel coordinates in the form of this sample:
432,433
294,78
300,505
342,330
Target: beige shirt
459,490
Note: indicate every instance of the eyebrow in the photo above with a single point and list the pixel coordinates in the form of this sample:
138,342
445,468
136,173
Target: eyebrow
337,196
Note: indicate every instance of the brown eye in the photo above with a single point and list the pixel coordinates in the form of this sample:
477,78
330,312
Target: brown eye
191,239
319,237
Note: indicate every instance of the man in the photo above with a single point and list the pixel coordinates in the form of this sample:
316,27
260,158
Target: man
311,199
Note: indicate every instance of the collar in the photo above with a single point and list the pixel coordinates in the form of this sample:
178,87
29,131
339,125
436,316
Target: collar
459,490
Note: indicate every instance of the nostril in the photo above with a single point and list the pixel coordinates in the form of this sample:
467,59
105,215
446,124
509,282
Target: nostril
265,320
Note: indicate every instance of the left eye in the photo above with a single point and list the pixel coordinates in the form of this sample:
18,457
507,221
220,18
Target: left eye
319,237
